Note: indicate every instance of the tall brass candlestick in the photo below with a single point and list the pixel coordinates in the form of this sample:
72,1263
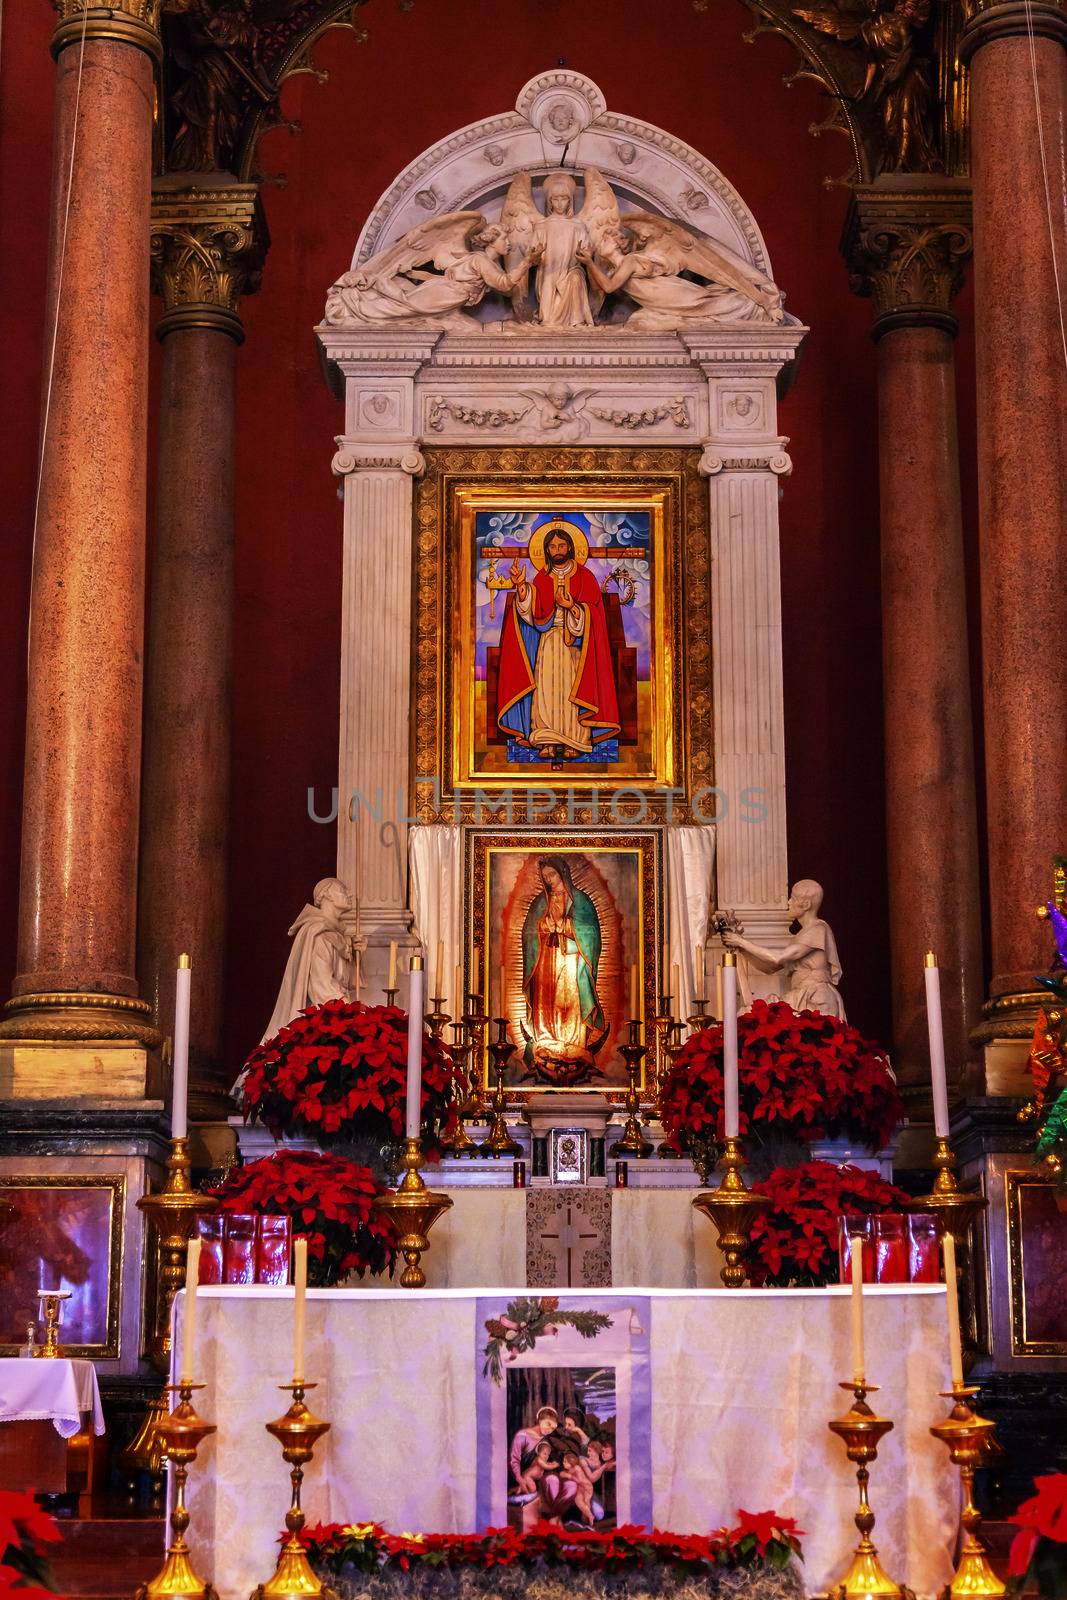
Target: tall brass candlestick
461,1143
968,1437
298,1432
861,1429
476,1021
498,1141
954,1207
173,1212
180,1435
412,1210
632,1141
733,1209
672,1047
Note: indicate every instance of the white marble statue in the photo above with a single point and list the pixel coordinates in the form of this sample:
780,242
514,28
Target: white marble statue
392,286
649,271
324,961
579,257
810,960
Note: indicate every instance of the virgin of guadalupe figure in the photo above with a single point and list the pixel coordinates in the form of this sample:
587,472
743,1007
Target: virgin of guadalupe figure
556,687
561,943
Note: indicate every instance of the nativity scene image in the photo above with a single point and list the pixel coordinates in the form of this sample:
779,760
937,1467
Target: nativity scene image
561,1448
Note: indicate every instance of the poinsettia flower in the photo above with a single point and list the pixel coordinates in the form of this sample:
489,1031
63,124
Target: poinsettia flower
1046,1511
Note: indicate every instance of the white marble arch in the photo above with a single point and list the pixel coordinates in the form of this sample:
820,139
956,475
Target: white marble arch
406,386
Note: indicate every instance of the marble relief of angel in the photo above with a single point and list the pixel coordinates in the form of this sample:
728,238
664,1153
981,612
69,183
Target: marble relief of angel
394,285
650,271
559,242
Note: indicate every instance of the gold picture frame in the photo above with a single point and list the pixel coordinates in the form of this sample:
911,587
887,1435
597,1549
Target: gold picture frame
84,1236
665,748
1037,1237
619,874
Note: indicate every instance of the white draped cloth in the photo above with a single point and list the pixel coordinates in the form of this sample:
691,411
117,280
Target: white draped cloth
743,1383
60,1391
435,863
690,865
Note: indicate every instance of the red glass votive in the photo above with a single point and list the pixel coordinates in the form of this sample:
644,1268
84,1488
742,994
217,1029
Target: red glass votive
890,1248
272,1249
924,1249
849,1225
239,1248
210,1231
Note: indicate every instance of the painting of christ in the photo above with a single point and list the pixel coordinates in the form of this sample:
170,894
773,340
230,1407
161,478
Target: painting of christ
563,664
565,924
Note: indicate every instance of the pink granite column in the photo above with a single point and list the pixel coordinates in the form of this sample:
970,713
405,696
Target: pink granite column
1020,212
186,791
906,240
83,723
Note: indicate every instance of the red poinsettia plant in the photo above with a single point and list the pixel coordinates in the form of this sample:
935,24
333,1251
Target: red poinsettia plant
794,1242
1038,1558
330,1201
339,1071
25,1530
758,1539
809,1075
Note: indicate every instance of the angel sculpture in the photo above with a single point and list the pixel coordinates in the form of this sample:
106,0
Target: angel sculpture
560,242
650,273
391,285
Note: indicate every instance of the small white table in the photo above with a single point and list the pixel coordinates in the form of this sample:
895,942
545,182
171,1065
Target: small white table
43,1405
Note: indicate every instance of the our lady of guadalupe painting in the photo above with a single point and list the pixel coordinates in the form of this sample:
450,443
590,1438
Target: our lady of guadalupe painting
563,665
565,926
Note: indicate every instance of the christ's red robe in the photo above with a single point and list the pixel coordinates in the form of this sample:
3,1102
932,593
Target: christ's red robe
593,691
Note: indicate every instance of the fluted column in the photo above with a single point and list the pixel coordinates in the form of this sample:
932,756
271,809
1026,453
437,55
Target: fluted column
375,771
77,896
905,242
208,241
1018,98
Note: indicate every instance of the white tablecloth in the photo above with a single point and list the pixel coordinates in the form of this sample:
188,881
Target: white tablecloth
742,1385
61,1391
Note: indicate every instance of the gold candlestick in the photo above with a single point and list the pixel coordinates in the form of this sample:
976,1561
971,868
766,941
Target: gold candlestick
390,996
173,1212
298,1432
968,1437
476,1021
461,1143
699,1019
632,1141
955,1208
51,1300
181,1434
412,1210
498,1141
733,1209
861,1429
672,1046
438,1016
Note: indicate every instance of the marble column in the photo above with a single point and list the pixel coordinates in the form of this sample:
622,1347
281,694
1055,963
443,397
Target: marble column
905,242
1018,100
375,774
208,243
75,978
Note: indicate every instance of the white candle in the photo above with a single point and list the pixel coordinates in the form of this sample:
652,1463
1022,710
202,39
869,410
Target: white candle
665,966
192,1278
300,1286
633,993
502,991
937,1045
698,970
676,988
179,1102
439,976
955,1342
461,999
729,1044
718,991
392,965
416,993
476,970
856,1262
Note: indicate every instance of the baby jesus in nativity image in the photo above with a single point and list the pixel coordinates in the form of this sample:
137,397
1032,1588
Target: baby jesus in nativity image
556,1464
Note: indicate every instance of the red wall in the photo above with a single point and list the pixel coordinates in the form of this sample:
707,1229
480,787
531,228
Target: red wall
422,73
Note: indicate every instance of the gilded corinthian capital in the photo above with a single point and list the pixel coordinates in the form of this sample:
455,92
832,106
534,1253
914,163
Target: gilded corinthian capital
134,22
208,247
905,243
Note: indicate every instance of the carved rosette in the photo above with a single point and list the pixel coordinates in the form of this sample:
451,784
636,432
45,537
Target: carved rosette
133,22
906,245
208,249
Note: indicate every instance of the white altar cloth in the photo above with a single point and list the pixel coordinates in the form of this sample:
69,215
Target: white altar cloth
743,1383
60,1391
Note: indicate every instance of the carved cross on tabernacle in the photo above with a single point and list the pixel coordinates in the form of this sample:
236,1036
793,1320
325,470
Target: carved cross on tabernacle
571,1240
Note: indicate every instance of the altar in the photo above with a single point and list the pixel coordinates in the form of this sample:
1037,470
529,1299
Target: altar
740,1385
